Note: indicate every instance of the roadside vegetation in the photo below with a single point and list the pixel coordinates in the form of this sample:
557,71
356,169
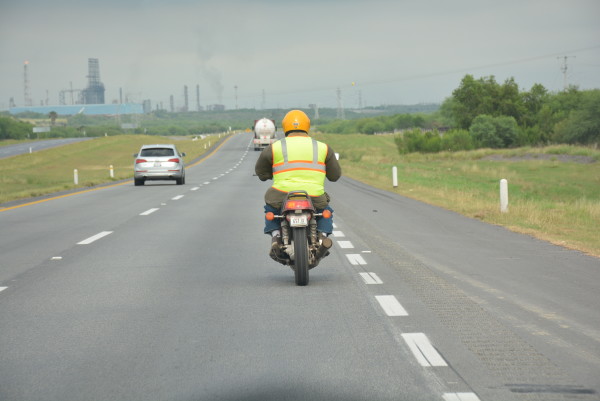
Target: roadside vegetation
49,171
545,145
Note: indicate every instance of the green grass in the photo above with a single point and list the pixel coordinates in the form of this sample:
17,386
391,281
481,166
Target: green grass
51,170
553,200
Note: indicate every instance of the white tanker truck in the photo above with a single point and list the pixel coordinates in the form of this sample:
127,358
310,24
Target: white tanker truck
264,133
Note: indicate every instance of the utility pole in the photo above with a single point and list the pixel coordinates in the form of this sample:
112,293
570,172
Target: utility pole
564,68
26,90
340,108
236,96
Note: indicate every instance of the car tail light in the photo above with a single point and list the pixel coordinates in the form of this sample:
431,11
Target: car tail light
140,161
174,160
297,204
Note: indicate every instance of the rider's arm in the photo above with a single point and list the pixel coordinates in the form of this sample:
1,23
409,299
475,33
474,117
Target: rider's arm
333,170
264,164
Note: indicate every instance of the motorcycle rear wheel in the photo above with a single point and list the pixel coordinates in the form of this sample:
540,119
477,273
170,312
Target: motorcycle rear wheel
300,255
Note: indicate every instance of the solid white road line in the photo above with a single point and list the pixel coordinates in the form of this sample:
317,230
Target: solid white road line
345,244
423,350
460,397
149,211
94,238
390,305
371,278
338,234
355,259
178,197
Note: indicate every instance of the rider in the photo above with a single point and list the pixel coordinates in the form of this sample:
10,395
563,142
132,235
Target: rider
297,163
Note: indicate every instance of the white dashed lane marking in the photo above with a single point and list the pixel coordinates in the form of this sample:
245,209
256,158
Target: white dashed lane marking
207,182
338,234
149,211
422,349
345,244
94,238
195,189
356,259
3,288
390,305
56,258
178,197
371,278
460,397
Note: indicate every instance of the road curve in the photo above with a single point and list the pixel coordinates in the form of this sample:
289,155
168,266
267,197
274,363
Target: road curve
166,292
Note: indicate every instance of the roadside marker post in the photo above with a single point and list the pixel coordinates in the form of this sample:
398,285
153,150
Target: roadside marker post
75,177
112,171
395,176
503,196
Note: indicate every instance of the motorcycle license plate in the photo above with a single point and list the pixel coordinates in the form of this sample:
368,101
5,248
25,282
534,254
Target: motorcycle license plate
299,221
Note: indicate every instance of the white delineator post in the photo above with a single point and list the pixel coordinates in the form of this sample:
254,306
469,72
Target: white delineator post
395,176
75,177
112,171
503,195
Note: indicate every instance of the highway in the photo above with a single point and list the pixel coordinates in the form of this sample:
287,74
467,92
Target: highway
166,292
21,148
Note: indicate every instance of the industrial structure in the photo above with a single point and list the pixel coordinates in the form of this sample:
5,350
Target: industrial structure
94,93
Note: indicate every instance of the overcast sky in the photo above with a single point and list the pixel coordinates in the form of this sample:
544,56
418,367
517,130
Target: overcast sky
297,52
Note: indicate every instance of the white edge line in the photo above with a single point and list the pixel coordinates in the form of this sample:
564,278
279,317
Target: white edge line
371,278
460,397
345,244
355,259
422,349
93,238
390,305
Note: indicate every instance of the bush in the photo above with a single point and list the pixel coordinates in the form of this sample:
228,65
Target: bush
494,132
456,140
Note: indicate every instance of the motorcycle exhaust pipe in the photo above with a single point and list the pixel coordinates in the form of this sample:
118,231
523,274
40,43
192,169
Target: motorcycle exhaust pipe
326,244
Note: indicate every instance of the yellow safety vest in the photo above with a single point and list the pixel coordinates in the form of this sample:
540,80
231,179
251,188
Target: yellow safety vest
299,165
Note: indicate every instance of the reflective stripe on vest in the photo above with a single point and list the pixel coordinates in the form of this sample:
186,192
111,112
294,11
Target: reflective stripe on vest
301,167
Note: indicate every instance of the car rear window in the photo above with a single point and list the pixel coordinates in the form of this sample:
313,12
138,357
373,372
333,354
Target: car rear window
157,152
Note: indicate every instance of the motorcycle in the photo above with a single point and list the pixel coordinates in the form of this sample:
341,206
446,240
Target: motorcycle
302,247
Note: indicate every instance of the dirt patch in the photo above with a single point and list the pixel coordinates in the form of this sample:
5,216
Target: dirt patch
542,156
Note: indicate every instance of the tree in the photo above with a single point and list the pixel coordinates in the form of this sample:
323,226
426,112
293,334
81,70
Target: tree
52,115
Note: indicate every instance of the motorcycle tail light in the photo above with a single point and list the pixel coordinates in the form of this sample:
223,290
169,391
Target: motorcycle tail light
298,204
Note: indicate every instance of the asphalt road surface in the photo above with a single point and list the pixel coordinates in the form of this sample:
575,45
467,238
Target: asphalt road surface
21,148
166,292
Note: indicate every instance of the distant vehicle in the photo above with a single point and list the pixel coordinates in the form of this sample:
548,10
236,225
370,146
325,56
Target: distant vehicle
264,133
159,162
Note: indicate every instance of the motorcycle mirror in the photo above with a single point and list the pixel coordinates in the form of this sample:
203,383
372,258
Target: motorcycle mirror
269,216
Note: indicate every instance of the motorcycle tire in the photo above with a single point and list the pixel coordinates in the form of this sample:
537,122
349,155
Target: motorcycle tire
300,255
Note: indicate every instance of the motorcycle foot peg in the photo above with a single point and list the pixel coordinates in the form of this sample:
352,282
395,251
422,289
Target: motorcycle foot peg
325,245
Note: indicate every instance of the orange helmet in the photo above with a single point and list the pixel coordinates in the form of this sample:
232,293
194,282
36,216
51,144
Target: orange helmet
295,120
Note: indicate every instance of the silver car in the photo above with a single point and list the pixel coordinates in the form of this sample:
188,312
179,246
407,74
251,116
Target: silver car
159,162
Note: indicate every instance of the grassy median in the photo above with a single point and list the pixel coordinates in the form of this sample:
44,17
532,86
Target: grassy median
554,192
51,170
